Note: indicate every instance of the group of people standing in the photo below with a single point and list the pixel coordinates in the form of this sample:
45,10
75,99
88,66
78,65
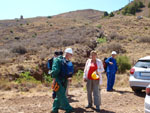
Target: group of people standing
92,76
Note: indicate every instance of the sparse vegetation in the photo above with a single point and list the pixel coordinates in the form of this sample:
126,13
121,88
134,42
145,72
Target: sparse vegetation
101,40
99,26
19,49
106,14
111,14
133,8
149,5
114,36
34,35
47,78
144,39
112,47
78,76
26,77
123,64
11,31
49,17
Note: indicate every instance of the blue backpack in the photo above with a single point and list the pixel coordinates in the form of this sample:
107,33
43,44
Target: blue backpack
67,68
49,64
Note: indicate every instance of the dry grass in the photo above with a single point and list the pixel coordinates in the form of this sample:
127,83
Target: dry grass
122,80
144,39
113,46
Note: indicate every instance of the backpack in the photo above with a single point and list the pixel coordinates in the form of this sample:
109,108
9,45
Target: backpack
105,64
49,64
67,68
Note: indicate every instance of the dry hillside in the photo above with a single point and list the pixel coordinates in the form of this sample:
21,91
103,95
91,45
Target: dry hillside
25,45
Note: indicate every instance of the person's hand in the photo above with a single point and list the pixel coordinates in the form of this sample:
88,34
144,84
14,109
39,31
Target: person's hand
53,82
85,80
70,80
110,63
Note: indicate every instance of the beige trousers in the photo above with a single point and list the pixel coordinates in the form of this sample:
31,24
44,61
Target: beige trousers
93,86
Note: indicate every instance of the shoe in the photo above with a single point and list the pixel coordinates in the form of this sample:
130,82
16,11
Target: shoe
53,112
88,106
97,109
70,111
110,90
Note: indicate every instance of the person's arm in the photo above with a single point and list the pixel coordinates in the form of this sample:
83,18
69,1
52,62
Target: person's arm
85,69
108,61
55,68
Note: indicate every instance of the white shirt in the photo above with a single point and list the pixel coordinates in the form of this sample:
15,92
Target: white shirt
100,69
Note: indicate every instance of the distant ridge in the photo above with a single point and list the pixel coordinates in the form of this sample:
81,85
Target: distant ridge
83,14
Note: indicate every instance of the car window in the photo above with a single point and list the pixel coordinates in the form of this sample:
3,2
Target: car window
143,64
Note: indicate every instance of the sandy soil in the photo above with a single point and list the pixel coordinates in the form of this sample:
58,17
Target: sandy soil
122,100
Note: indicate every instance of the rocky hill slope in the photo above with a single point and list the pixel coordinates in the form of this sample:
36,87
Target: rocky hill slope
26,45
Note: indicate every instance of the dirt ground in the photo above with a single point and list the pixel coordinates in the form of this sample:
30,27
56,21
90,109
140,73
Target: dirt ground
122,100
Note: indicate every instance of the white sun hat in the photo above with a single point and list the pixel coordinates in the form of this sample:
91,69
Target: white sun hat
114,53
68,50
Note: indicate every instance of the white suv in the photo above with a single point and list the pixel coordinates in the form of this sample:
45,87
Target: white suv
140,74
147,100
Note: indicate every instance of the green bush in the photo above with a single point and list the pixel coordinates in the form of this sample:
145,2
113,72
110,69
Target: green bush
79,75
34,35
123,64
11,31
111,14
47,78
26,77
140,4
149,5
101,40
106,14
133,8
118,13
49,17
99,26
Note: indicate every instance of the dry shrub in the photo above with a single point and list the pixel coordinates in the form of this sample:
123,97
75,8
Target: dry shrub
20,68
143,39
68,42
114,36
112,47
122,80
33,50
4,56
5,84
19,49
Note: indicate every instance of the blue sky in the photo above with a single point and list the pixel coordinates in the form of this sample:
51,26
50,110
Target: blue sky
11,9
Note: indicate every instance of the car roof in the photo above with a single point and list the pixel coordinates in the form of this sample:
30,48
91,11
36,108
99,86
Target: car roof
145,58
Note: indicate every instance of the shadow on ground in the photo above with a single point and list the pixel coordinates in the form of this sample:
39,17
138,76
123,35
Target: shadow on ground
141,94
71,100
122,92
81,110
